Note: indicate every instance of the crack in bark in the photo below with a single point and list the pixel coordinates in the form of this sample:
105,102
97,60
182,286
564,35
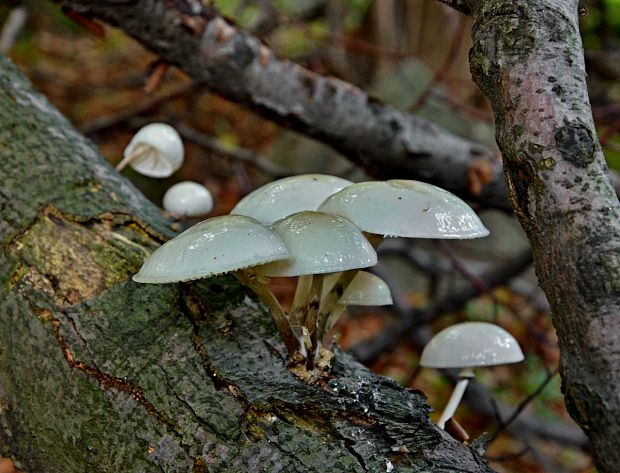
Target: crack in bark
106,380
219,381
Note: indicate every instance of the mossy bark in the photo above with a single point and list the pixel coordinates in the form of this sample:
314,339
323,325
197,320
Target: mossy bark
98,373
527,58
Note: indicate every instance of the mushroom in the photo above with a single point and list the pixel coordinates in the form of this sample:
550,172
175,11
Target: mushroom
230,243
188,199
405,208
283,197
155,151
401,208
319,243
465,346
365,289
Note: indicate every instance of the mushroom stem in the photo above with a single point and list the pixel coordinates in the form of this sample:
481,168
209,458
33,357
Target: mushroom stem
330,302
139,151
249,279
302,292
312,312
334,316
464,376
330,309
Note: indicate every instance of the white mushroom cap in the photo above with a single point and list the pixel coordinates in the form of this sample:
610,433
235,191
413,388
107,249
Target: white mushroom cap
471,344
287,196
365,289
214,246
405,208
319,243
189,199
164,154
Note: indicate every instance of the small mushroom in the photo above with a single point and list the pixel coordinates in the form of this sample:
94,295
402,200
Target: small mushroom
230,243
365,289
155,151
319,243
284,197
465,346
188,199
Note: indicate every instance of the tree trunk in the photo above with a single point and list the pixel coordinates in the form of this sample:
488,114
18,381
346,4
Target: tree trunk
98,373
527,58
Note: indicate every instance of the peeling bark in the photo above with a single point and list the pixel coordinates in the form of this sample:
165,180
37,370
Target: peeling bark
98,373
527,58
232,63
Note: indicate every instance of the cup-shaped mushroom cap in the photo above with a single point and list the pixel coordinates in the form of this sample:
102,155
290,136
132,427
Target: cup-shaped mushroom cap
188,198
158,149
365,289
287,196
215,246
319,243
407,209
471,344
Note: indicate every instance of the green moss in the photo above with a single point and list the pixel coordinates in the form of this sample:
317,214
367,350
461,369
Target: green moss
71,175
80,261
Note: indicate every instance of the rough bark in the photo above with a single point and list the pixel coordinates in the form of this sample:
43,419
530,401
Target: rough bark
98,373
527,58
235,64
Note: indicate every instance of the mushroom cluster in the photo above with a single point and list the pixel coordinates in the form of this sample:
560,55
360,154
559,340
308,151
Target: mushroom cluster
321,229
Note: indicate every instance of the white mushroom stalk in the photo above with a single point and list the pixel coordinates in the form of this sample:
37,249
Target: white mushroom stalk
231,243
319,243
401,208
188,199
155,151
466,346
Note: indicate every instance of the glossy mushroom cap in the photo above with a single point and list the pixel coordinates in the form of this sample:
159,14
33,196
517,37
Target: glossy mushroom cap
365,289
407,209
287,196
471,344
215,246
162,154
189,199
319,243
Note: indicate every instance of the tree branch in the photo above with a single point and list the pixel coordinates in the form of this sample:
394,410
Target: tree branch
236,65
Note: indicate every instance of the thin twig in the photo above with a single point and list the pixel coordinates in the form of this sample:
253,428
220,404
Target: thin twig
12,26
240,154
110,121
503,424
